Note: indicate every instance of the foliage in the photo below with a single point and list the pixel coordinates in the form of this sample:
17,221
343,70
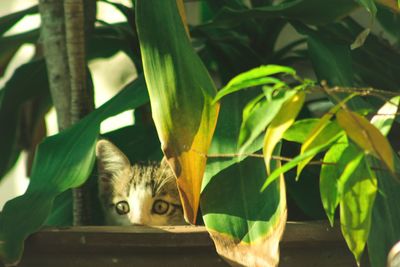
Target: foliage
266,124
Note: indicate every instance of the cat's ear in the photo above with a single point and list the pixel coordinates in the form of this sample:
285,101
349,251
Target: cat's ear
111,161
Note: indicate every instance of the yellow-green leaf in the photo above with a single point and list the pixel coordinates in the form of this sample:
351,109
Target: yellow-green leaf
181,92
282,121
367,136
316,131
385,116
357,200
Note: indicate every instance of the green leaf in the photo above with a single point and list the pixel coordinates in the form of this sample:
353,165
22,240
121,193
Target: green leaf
367,136
255,77
356,204
300,130
331,61
293,163
257,116
330,132
389,20
181,92
62,161
28,81
8,21
384,118
226,135
369,5
336,159
9,46
281,122
251,215
385,230
252,220
307,11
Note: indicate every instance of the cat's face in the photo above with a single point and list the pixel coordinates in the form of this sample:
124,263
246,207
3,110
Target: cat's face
138,194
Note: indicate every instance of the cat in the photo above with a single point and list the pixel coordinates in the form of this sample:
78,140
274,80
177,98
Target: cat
139,194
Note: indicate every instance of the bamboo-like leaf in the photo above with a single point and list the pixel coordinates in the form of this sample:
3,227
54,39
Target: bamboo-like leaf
245,228
181,92
300,130
293,163
62,161
356,204
307,11
255,77
8,21
257,116
384,118
367,136
329,177
329,133
385,230
369,5
318,129
28,81
282,121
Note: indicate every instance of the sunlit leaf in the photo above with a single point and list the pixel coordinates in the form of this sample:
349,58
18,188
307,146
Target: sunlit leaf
315,137
384,118
281,122
356,204
369,5
300,130
257,117
252,220
255,77
181,92
62,161
385,230
361,38
331,171
293,163
367,136
329,133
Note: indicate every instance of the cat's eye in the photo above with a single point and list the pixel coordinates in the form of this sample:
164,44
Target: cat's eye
160,207
122,207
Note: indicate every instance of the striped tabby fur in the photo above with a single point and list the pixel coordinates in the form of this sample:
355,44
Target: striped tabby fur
140,194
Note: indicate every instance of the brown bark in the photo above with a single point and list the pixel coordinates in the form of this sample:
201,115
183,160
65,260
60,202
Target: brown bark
82,102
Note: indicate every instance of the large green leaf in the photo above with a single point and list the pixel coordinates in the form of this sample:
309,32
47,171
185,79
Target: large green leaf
385,230
307,11
358,191
8,21
255,77
228,175
63,161
336,160
181,92
28,81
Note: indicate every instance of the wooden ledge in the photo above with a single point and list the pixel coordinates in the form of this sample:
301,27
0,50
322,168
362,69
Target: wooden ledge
303,244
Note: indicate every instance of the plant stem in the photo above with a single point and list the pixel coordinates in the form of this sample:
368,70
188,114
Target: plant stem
82,102
54,46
